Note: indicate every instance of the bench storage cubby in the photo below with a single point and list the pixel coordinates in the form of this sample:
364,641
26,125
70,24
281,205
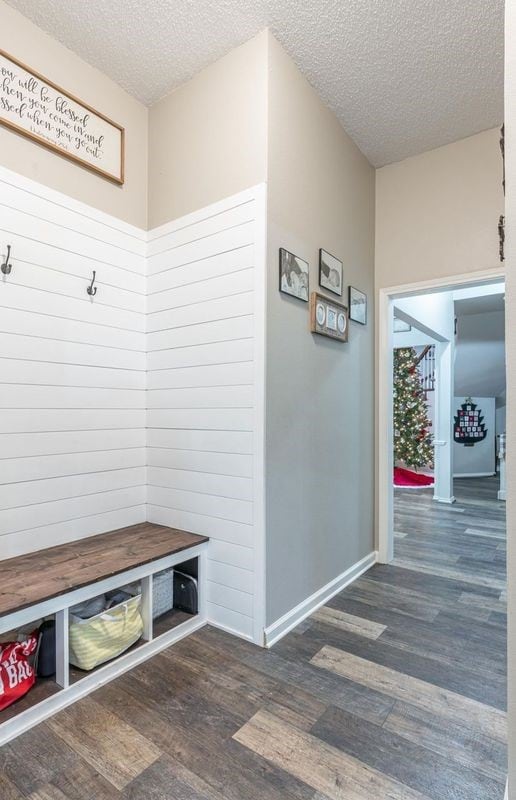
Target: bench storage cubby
48,583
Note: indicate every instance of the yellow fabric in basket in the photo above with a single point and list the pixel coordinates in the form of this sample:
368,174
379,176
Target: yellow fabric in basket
98,639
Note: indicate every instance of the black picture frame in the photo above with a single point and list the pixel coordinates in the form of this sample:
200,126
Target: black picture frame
357,298
294,275
328,265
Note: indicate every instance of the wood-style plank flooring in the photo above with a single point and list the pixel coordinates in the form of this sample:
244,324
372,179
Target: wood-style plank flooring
395,690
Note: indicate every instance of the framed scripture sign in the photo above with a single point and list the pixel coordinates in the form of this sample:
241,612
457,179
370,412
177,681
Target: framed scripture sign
40,110
328,318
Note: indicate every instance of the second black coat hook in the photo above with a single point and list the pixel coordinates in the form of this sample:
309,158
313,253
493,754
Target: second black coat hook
92,291
6,267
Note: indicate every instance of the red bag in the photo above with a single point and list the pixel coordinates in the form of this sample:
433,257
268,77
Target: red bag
16,674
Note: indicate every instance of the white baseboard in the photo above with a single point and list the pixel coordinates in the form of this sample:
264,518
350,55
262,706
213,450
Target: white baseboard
449,500
502,494
273,633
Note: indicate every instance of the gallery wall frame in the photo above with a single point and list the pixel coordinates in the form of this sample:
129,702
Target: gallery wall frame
42,111
328,318
357,303
294,275
330,272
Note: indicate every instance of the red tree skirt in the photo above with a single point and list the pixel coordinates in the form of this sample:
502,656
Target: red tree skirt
412,480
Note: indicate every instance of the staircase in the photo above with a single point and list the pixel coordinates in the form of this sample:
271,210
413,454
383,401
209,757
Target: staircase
426,368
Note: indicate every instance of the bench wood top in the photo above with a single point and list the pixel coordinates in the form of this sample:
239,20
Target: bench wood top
35,577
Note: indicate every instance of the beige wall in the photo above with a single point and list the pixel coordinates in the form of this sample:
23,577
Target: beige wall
207,140
510,327
437,213
26,42
319,440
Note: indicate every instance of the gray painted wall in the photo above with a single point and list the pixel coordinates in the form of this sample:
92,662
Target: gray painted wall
319,430
480,355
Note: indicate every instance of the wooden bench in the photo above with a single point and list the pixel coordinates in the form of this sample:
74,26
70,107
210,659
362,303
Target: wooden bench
49,582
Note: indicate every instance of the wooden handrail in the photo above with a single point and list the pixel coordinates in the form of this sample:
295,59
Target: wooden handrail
423,354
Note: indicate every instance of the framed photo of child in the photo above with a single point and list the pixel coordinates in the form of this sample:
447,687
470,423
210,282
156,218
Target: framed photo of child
293,275
330,273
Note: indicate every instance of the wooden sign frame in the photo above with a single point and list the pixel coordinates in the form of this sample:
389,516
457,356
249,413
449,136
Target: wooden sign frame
117,177
329,321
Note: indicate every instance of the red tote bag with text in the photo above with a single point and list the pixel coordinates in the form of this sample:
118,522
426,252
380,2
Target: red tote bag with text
16,674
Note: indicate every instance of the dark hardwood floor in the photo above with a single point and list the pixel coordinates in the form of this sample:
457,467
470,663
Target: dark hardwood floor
395,690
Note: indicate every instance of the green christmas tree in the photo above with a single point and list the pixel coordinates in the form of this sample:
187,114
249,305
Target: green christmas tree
412,437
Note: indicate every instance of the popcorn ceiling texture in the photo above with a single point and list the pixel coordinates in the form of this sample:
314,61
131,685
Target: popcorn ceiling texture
402,76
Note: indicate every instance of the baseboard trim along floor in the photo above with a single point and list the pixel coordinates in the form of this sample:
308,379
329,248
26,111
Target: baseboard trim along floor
288,621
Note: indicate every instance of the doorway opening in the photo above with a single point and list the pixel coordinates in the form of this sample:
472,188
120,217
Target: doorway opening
441,395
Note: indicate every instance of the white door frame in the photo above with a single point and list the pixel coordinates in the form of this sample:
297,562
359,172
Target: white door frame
384,390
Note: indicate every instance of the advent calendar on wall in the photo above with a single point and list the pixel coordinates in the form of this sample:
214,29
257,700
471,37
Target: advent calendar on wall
469,428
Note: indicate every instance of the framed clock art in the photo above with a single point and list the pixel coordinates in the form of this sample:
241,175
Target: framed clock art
328,318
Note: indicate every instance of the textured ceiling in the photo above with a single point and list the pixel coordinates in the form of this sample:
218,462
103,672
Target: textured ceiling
403,76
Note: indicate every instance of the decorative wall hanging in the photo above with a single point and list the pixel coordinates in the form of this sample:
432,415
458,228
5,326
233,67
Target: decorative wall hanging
293,275
328,318
35,107
330,273
468,425
357,306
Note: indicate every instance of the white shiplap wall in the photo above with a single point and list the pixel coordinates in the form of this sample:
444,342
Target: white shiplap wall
205,361
72,370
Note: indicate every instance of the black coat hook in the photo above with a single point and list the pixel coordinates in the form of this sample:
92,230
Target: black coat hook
6,267
92,291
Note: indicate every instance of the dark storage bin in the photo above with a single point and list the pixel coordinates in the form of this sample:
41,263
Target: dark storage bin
185,592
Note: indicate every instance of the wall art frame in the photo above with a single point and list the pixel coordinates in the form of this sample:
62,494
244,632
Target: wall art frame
328,318
42,111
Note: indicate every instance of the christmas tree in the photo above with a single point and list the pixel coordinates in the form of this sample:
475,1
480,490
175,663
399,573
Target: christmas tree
412,437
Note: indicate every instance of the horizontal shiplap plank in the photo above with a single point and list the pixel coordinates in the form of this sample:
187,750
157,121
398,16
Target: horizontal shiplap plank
205,247
206,311
24,445
31,492
229,620
206,269
52,233
75,308
58,211
222,508
239,327
212,397
44,338
15,544
41,373
53,466
232,577
202,482
35,397
220,419
223,530
49,420
228,553
203,354
223,286
33,276
51,513
81,265
182,234
232,442
238,374
229,598
230,464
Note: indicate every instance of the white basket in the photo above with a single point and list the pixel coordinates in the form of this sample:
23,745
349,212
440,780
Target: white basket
162,592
